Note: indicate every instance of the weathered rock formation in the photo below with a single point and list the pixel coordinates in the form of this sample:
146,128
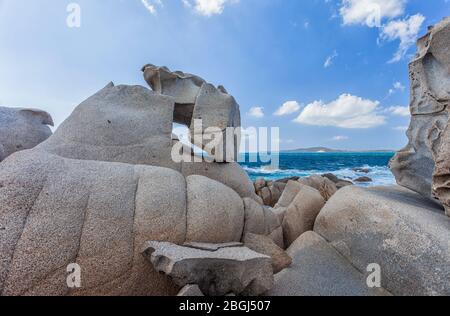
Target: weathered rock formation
102,186
22,129
195,99
413,166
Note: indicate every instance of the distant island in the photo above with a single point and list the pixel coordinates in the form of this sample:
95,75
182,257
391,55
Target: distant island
329,150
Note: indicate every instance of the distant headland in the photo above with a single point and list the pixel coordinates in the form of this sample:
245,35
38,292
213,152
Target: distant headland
329,150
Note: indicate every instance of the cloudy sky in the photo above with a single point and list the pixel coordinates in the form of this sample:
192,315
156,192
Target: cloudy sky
327,72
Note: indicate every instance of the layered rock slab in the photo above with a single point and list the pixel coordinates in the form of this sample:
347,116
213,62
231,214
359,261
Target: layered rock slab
319,270
236,270
403,232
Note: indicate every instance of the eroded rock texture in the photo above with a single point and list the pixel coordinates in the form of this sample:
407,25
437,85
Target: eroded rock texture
430,97
441,177
22,129
195,99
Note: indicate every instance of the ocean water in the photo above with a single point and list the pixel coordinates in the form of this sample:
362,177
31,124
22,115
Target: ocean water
340,164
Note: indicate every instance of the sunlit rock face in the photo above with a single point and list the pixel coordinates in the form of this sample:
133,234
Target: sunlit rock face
413,166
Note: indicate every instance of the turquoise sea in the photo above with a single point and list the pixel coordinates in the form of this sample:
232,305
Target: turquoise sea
342,164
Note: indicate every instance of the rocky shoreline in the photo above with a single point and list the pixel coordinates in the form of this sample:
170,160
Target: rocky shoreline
104,193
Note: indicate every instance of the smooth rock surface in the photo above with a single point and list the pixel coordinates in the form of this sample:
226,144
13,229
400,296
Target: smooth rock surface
301,214
325,186
290,192
230,174
129,124
215,213
240,271
274,229
254,218
191,290
319,270
405,233
413,166
56,211
265,245
22,129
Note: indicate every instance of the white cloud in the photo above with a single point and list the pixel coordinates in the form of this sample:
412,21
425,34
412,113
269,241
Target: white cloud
384,15
406,31
347,111
287,108
203,7
340,138
208,7
330,59
370,12
400,110
151,5
256,112
401,128
398,86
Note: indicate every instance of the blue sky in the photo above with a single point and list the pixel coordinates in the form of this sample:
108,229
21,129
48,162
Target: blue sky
343,77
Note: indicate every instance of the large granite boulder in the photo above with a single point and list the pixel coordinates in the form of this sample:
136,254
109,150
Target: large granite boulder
430,96
196,100
406,234
325,186
264,245
230,174
96,191
301,214
319,270
215,213
290,192
56,211
22,129
217,272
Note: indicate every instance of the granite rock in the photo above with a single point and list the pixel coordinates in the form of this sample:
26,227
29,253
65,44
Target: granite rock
240,270
22,129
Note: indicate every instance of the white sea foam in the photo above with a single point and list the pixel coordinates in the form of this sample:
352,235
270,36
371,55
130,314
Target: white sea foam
379,175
